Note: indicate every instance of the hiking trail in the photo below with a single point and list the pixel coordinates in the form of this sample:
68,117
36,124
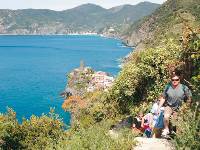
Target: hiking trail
152,144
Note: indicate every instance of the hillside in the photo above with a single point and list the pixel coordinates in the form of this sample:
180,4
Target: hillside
168,20
131,13
84,18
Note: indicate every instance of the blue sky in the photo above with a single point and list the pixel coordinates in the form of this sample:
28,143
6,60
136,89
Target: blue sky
65,4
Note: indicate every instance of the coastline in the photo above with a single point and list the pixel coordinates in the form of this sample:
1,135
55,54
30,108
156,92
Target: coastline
77,34
46,34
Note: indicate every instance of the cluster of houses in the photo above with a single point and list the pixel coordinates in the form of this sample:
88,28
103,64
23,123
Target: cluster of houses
88,80
100,80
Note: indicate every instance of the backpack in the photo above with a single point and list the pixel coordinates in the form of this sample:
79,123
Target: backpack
160,121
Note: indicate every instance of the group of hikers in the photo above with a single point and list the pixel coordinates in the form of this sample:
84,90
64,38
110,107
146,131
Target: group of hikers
156,123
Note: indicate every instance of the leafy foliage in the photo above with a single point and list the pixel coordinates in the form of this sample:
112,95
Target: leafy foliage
10,134
45,132
73,103
145,75
189,119
98,137
188,134
191,58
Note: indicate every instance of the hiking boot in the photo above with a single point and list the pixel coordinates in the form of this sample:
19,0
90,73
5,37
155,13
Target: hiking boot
173,133
165,132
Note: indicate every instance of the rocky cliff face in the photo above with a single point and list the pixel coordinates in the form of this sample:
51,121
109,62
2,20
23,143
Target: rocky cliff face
142,33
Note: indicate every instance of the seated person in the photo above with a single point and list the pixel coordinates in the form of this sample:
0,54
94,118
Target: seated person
152,121
136,126
147,124
137,121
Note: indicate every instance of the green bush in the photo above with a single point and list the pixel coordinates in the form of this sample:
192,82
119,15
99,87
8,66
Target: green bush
188,129
188,125
10,133
191,57
45,132
97,137
42,132
145,75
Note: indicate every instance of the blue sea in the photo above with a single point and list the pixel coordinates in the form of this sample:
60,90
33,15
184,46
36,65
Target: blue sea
33,69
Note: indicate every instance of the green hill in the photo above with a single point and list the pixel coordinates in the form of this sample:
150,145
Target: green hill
168,20
84,18
132,13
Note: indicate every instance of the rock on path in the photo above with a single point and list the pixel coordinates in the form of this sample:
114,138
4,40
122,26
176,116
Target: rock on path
152,144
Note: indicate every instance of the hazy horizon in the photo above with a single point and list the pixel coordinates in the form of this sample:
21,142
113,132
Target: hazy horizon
60,5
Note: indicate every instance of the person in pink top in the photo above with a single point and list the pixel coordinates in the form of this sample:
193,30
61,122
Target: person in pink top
147,124
150,120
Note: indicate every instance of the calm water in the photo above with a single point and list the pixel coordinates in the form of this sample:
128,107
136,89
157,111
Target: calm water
33,68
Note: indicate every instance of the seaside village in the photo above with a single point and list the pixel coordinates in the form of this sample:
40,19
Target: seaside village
82,80
100,80
85,79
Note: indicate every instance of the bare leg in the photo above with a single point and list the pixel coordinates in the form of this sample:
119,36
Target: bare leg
166,121
167,114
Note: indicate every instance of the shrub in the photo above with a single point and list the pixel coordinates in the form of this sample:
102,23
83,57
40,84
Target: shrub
144,77
188,135
188,129
97,137
10,134
45,132
42,132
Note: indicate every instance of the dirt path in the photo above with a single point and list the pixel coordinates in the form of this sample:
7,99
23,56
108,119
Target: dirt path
152,144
